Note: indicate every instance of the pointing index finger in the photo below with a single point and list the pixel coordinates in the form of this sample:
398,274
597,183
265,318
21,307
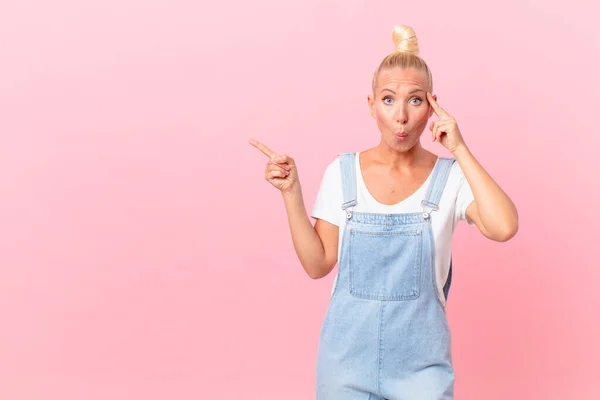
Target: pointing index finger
264,149
440,112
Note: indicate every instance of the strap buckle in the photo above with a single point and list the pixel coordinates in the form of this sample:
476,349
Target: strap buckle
428,208
346,207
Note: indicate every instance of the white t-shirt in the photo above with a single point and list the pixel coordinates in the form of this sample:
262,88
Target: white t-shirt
453,204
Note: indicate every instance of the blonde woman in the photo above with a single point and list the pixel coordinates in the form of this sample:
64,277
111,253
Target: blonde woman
386,216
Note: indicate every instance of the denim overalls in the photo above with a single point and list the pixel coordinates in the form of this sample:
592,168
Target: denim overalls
385,334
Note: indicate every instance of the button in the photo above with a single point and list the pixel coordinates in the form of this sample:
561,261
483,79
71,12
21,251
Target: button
426,215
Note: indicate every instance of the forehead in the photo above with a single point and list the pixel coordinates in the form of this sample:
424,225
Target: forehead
402,79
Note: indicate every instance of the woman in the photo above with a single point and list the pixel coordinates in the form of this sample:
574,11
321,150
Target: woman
396,205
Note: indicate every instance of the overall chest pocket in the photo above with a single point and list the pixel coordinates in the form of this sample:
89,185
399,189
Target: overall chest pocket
385,265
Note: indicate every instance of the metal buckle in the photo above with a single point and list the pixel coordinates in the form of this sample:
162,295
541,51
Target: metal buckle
347,209
428,208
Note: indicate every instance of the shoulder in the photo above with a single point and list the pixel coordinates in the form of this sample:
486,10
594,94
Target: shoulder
456,180
458,187
332,173
334,166
456,173
330,192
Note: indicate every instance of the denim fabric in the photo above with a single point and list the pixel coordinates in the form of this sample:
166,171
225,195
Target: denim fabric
385,334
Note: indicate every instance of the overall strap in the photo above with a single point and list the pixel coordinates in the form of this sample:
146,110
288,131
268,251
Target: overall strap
348,169
432,201
437,184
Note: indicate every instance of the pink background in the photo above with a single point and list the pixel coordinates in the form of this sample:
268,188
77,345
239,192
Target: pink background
143,256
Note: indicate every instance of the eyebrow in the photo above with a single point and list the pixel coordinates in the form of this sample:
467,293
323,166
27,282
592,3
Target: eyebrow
411,92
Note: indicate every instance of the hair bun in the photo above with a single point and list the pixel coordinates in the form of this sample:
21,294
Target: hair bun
405,39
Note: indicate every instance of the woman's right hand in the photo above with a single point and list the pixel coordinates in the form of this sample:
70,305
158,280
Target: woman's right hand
280,171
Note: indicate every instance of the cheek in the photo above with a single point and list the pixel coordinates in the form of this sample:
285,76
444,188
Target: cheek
421,116
382,114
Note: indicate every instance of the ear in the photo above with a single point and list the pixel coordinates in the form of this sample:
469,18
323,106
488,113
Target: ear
371,102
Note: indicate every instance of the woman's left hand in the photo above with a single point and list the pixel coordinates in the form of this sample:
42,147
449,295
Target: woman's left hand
445,130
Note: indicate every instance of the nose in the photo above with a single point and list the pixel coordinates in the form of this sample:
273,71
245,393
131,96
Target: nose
401,115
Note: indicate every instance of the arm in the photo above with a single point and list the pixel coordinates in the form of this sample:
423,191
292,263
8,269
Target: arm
316,247
492,211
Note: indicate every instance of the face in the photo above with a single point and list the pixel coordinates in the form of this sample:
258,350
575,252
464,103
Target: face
400,107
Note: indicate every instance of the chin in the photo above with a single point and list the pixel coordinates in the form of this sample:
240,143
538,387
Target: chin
401,146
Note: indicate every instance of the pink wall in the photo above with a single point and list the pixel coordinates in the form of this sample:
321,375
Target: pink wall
143,256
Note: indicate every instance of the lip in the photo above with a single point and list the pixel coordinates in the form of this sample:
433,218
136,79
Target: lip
401,135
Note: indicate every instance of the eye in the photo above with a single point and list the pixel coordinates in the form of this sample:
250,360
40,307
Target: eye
418,99
387,98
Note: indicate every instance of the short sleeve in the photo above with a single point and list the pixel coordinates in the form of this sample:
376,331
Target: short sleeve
464,198
328,203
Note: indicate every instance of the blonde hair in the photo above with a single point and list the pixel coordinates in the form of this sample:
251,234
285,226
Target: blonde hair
405,55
